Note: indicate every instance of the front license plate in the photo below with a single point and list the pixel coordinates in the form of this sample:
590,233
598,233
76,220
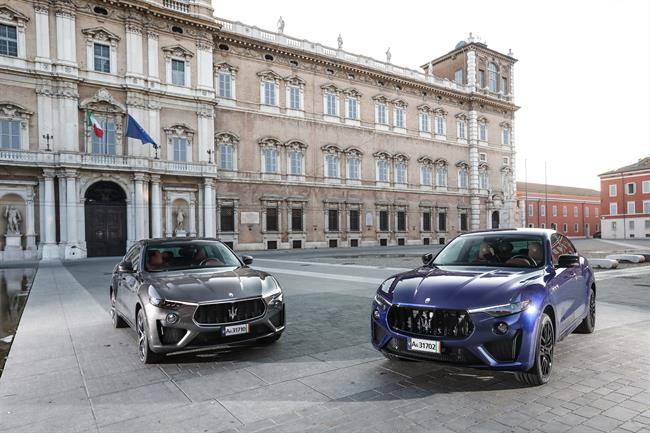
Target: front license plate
419,345
235,330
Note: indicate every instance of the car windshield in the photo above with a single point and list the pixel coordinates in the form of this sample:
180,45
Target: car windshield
188,255
490,249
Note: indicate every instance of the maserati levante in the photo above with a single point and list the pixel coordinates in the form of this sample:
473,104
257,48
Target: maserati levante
497,299
194,294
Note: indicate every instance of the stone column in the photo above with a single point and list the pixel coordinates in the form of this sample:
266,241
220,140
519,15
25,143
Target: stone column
204,67
208,208
156,209
134,58
50,250
139,205
66,37
29,221
169,228
192,225
152,57
63,215
205,133
475,201
41,209
42,24
72,203
471,70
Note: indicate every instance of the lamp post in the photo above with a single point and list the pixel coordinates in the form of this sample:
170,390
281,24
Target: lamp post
47,138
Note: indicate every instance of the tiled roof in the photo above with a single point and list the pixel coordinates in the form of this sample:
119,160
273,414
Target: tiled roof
641,164
556,189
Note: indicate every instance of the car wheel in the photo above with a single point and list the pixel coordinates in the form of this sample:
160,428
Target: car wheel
146,355
272,339
117,320
589,323
541,371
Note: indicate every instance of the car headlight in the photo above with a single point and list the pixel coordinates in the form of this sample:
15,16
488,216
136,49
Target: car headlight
158,301
503,310
383,302
271,290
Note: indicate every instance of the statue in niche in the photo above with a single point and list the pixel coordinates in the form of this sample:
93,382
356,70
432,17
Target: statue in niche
180,219
340,41
388,55
280,25
13,218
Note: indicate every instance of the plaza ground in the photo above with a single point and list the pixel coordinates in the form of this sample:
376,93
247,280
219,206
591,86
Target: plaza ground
70,371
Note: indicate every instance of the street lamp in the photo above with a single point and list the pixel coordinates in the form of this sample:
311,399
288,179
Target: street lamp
47,138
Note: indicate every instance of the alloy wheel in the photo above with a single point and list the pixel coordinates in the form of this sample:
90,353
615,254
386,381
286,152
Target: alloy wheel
546,343
592,309
142,337
113,312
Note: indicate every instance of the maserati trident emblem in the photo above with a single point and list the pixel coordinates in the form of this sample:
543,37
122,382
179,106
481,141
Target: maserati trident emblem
230,295
426,301
232,312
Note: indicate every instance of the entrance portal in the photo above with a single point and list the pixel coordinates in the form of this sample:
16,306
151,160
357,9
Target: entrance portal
495,219
105,220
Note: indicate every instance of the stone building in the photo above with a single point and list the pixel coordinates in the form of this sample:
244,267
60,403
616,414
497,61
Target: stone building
265,140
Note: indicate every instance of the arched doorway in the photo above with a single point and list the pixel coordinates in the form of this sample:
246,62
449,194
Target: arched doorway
495,219
105,220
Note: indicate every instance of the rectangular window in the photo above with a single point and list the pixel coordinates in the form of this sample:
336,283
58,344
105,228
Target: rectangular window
461,130
178,72
613,208
647,224
225,85
631,225
554,210
565,228
506,136
575,228
400,117
270,160
381,114
425,122
179,149
331,106
8,40
296,220
353,169
646,186
10,134
383,220
294,98
481,78
401,221
596,211
272,222
227,219
442,221
440,125
332,166
333,220
295,163
269,93
355,223
630,188
482,132
463,222
587,212
646,206
458,77
504,85
542,210
102,54
612,190
400,173
565,211
426,221
462,178
425,175
482,157
107,144
382,170
226,156
631,207
530,210
353,108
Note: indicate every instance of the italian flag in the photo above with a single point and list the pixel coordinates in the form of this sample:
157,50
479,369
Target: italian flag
94,124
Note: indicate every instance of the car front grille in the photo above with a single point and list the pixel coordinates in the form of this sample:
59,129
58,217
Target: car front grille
229,312
430,322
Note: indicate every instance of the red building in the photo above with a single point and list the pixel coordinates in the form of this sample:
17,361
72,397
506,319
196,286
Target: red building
573,212
625,201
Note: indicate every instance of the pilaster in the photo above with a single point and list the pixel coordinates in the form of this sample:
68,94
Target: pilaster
50,250
156,207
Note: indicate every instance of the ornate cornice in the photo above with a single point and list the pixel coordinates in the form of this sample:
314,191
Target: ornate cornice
100,34
10,14
226,137
177,51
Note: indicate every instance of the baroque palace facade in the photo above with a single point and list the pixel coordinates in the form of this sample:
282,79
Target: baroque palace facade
265,141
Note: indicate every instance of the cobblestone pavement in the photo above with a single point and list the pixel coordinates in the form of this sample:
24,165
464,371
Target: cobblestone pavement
70,371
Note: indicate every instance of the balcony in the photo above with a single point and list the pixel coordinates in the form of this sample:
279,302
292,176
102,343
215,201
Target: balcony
178,6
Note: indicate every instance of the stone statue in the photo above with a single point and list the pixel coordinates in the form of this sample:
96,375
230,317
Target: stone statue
340,41
13,220
388,55
280,25
180,219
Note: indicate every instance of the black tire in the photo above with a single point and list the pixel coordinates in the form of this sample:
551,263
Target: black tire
589,323
272,339
145,353
116,319
545,342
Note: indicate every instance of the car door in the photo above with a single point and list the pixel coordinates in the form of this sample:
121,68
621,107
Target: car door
563,285
579,299
126,281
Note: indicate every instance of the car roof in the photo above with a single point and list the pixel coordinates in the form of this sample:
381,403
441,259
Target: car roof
514,231
170,240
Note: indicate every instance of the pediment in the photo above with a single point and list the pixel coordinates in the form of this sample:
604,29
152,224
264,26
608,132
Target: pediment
269,75
177,51
10,14
103,101
11,110
100,34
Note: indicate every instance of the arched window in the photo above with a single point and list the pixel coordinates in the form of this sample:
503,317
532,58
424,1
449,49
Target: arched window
492,77
226,150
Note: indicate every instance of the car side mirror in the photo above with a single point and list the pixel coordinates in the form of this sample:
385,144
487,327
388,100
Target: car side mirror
248,260
125,266
568,260
426,258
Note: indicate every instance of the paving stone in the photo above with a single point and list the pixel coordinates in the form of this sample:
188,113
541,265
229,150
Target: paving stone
219,384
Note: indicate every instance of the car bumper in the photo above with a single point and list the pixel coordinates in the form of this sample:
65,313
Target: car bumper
484,347
187,336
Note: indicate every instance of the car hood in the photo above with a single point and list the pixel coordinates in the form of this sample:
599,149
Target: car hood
461,288
209,285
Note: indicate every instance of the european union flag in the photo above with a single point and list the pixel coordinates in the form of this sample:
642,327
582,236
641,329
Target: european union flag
134,130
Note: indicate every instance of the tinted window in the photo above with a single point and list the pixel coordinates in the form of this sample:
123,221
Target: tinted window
133,256
492,249
188,255
560,245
